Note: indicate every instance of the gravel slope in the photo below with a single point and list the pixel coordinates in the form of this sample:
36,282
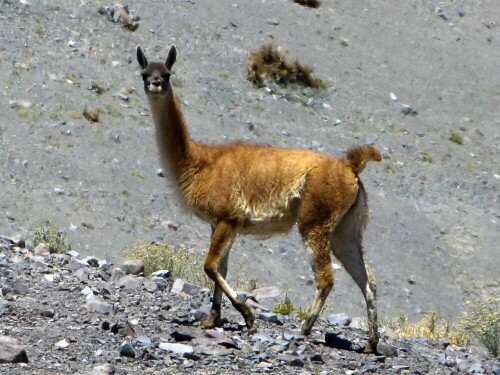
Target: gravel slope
434,229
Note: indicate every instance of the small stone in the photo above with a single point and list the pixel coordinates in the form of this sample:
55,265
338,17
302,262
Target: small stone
270,317
176,348
64,343
95,305
180,286
133,267
143,340
11,351
20,287
273,22
334,341
387,350
262,337
129,282
105,369
340,320
126,350
48,313
41,249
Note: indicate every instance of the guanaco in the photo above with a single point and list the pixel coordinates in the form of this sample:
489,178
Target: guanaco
245,188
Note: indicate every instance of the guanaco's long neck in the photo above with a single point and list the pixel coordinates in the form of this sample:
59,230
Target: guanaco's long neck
171,131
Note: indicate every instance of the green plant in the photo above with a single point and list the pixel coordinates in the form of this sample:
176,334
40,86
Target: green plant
426,156
23,112
301,313
483,322
137,174
456,138
283,308
181,263
50,235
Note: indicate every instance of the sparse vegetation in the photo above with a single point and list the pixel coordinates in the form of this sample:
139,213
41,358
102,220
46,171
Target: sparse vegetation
49,234
426,156
76,115
182,264
270,63
136,174
432,328
456,138
283,308
483,322
23,112
301,313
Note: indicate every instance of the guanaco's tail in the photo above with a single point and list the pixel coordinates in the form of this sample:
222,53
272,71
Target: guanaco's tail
358,156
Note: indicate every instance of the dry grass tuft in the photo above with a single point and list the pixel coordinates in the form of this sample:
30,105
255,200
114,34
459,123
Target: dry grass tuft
182,264
432,328
270,63
308,3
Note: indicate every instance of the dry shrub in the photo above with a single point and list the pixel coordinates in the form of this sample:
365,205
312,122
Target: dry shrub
270,63
183,264
49,234
308,3
483,321
432,328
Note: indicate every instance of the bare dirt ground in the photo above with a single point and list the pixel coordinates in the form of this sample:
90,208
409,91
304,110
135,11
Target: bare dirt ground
434,229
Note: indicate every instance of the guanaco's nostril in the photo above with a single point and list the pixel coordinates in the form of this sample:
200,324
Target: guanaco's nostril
156,83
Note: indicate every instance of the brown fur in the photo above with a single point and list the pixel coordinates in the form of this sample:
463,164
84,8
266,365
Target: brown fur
244,188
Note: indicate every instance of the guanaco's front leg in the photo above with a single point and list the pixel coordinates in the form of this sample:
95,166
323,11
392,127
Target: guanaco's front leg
216,268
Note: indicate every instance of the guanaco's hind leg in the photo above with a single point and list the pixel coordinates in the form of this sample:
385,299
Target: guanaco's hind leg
216,268
318,248
347,247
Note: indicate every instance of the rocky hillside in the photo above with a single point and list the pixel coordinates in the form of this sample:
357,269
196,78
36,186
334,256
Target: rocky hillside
74,314
418,79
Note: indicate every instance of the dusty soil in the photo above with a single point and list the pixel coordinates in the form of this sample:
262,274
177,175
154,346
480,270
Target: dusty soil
434,229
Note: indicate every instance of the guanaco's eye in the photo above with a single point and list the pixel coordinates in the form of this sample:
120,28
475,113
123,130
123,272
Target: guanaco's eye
144,76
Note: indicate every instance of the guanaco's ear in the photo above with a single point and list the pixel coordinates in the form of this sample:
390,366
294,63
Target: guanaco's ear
141,58
172,55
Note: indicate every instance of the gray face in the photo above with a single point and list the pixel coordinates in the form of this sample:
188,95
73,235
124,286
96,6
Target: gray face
156,78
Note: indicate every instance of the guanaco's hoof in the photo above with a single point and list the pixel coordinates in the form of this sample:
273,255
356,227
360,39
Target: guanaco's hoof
212,321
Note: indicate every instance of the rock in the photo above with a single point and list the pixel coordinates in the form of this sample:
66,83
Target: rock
180,286
129,282
340,320
133,267
176,348
61,344
269,296
186,333
20,287
334,341
41,249
162,273
11,351
142,340
387,350
95,305
262,337
126,350
125,330
270,317
105,369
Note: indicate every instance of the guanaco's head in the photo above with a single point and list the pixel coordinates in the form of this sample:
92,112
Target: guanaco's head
156,75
